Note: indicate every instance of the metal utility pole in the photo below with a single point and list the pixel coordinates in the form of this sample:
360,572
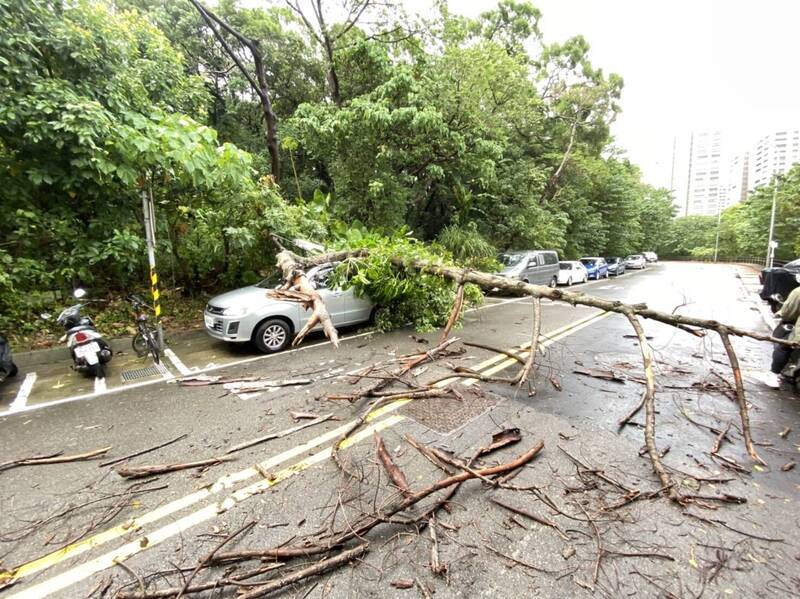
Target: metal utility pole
719,221
148,211
771,245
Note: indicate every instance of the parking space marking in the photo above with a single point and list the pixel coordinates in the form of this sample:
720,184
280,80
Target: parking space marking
177,362
212,367
24,391
139,544
100,385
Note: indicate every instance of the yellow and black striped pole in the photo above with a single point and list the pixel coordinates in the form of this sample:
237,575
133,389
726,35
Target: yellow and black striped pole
150,235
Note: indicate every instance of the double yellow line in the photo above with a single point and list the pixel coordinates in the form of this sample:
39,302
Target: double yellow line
144,541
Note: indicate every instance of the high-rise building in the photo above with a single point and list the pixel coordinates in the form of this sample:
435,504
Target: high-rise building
773,154
707,179
738,178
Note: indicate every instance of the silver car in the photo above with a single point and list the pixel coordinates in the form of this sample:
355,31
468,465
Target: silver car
247,314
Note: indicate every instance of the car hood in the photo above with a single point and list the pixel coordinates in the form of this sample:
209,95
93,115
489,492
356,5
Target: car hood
249,297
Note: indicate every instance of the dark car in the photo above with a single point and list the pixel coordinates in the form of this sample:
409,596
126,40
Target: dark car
7,366
779,280
616,266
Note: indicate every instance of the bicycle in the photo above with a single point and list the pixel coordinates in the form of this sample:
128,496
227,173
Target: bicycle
145,340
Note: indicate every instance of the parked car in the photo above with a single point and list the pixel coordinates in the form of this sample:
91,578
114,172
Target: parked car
650,257
780,281
248,315
636,261
539,267
571,272
616,266
595,267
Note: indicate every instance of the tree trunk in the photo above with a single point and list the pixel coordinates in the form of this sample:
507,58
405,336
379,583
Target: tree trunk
259,85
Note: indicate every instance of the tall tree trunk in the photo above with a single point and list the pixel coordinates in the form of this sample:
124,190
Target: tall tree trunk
258,84
551,187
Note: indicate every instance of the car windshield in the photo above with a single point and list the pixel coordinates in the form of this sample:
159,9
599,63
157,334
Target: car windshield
612,260
271,282
793,264
509,260
587,262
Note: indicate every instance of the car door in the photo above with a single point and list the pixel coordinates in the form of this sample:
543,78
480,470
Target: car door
538,275
359,309
335,299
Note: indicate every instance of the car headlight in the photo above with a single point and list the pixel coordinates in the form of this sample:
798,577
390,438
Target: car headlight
237,311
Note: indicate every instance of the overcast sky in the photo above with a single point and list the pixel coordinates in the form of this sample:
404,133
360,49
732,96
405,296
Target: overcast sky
687,65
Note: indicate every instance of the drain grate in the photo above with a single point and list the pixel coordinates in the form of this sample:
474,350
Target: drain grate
446,414
144,373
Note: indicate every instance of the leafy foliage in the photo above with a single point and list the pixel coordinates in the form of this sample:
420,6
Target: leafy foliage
403,295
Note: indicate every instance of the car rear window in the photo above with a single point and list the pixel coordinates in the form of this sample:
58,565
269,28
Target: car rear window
564,265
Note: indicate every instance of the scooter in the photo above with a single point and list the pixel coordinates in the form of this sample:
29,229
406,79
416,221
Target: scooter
90,352
791,371
7,367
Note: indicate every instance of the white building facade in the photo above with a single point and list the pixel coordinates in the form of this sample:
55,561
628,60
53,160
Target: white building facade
707,174
773,154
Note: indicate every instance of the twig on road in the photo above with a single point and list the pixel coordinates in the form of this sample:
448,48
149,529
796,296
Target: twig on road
143,451
54,458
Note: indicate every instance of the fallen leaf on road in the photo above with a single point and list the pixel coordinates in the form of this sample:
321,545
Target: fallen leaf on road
788,466
505,437
403,583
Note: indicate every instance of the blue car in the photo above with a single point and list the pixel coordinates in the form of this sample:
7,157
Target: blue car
596,267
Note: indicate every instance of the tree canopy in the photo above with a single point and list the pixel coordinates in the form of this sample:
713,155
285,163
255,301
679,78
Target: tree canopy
473,133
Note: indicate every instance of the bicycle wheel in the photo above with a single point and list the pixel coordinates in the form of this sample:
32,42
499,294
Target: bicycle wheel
140,345
153,346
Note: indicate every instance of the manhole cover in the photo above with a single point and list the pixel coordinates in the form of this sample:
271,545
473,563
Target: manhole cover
446,414
144,373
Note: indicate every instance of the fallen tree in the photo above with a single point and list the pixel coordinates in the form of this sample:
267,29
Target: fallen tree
293,268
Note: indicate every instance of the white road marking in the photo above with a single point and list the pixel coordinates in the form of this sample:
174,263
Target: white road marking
100,385
176,362
24,391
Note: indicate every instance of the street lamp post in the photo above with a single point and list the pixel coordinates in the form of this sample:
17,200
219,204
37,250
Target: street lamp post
772,244
719,221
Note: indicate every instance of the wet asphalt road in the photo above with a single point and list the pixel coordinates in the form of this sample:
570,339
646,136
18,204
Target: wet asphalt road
59,547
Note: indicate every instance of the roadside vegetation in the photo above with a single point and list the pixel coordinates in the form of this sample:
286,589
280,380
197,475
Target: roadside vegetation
471,135
744,227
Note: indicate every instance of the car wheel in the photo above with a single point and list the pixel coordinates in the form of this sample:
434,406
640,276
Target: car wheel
569,282
553,283
606,274
272,335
